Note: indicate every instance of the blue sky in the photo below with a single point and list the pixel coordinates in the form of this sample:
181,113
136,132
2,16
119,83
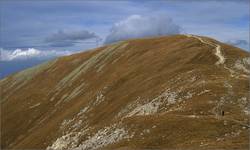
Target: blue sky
41,30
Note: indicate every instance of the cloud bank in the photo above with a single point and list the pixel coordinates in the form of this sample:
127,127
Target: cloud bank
67,39
244,44
30,53
137,26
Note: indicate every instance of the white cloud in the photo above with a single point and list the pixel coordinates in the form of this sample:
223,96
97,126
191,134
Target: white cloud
137,26
30,53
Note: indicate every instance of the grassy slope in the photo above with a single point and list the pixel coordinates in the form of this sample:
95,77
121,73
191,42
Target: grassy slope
123,72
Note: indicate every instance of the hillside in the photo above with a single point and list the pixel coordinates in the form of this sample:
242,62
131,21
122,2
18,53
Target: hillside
157,93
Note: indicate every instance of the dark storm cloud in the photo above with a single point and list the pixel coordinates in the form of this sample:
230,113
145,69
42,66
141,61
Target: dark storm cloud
67,39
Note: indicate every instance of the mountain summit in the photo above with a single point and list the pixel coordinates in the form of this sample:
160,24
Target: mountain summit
172,92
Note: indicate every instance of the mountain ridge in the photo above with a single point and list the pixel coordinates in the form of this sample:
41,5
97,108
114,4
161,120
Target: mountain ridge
110,97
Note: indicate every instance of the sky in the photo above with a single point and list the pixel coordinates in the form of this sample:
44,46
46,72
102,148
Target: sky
32,32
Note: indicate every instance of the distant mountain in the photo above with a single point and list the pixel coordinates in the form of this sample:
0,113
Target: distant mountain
10,67
173,92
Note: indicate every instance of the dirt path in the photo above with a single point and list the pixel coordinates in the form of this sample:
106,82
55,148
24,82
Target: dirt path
217,53
225,118
235,121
